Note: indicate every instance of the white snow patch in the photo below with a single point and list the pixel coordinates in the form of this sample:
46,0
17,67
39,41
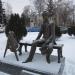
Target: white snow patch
2,73
68,49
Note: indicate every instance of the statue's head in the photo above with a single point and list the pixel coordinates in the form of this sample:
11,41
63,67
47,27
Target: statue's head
11,32
45,16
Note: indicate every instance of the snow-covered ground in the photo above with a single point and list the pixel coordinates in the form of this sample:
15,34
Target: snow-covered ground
68,49
2,73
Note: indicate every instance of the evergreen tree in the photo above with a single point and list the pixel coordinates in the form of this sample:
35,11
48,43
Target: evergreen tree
26,19
57,32
4,17
17,25
71,30
2,14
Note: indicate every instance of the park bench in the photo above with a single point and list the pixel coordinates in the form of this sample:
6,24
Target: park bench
58,47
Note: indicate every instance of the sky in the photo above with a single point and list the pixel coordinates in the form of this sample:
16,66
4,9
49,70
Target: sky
18,5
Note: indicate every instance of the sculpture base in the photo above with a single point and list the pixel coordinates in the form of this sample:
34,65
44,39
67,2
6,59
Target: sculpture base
37,66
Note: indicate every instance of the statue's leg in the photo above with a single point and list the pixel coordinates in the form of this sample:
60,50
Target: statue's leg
32,52
5,50
16,56
48,57
49,51
20,50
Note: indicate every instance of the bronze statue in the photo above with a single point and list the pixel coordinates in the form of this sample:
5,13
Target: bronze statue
47,39
12,44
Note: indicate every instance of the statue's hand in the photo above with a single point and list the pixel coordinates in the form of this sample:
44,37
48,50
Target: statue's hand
33,41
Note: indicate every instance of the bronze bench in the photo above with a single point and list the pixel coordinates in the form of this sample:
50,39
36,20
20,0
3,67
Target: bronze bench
57,46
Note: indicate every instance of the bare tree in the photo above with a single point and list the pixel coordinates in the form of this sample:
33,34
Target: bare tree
51,8
63,12
39,5
33,17
26,10
26,15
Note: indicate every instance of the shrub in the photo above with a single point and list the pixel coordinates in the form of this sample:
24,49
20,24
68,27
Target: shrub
17,25
71,30
57,31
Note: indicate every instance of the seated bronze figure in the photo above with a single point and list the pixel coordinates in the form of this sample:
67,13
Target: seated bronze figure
47,39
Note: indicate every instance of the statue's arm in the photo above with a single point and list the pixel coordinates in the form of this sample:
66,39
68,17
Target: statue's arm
49,40
40,33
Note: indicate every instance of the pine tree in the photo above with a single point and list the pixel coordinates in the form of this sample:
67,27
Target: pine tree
57,32
71,30
26,19
17,25
2,14
4,17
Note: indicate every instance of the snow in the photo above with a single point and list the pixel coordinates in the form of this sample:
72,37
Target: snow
38,64
68,50
29,73
2,73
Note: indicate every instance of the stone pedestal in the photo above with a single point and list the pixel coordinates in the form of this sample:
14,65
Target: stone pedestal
37,66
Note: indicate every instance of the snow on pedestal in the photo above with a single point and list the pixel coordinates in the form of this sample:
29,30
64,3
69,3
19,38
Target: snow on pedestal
2,73
38,64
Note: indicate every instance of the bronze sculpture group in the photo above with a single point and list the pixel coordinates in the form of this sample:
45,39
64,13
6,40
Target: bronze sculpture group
47,30
47,39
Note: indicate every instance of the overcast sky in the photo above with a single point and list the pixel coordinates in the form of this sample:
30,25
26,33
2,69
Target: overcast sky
18,5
